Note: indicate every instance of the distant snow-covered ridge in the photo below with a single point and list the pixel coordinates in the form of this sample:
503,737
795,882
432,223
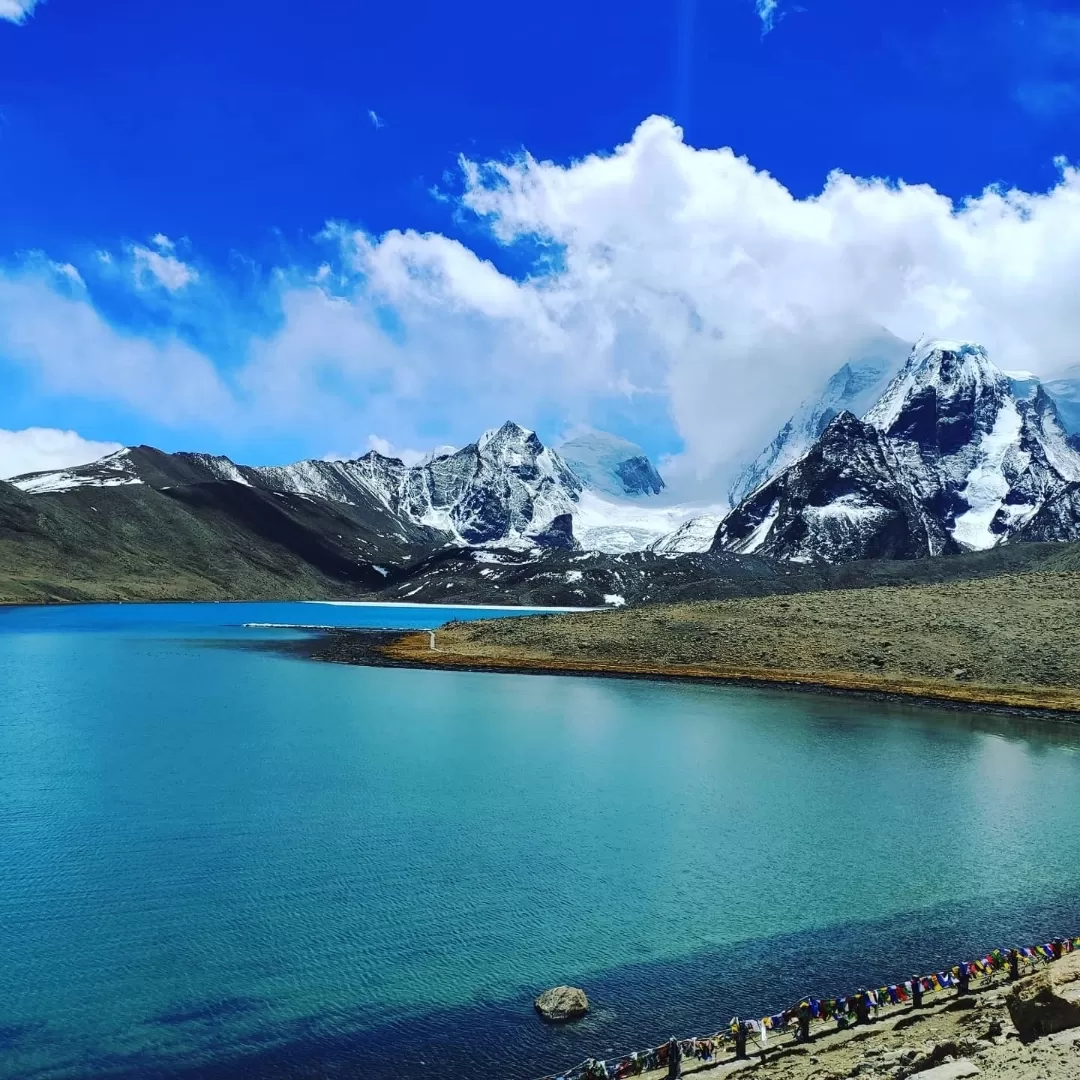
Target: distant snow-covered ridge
612,466
505,489
951,454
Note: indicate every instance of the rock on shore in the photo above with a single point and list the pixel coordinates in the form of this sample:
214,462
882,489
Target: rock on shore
562,1003
1047,1001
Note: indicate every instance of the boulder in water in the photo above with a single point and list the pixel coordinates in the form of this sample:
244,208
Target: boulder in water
562,1003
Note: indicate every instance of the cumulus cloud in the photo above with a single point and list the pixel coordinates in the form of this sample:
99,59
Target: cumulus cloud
699,276
668,279
161,266
16,10
37,449
70,272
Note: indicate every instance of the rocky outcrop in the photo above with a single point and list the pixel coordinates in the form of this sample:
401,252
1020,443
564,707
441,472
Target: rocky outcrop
1047,1001
562,1003
844,499
558,533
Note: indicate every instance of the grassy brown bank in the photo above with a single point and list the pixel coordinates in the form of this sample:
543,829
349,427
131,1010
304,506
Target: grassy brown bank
1005,642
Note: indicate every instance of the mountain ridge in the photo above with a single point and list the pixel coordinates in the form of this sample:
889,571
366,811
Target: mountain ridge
977,456
954,454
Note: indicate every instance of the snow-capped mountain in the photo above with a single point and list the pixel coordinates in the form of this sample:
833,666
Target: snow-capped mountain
846,498
983,450
954,455
505,488
854,387
134,465
611,465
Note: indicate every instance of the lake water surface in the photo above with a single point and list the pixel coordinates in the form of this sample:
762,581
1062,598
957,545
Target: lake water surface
225,861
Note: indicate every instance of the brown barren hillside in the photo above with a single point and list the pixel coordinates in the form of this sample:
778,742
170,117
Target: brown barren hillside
1008,641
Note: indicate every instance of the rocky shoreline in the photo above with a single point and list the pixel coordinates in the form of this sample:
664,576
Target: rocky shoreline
993,1031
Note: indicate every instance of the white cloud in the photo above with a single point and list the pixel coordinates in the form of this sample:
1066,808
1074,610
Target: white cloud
16,10
166,269
376,120
766,10
162,242
674,277
37,449
73,351
70,272
387,449
699,276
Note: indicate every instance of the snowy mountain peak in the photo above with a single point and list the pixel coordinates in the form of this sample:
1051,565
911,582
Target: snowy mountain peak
135,465
854,386
110,471
941,378
509,436
611,465
955,452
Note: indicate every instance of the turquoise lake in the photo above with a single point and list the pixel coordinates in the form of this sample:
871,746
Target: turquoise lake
220,859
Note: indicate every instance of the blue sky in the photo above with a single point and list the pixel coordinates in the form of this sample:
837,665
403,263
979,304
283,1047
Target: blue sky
561,289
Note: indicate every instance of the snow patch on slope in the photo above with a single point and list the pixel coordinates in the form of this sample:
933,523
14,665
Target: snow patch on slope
692,537
760,534
987,485
616,527
113,470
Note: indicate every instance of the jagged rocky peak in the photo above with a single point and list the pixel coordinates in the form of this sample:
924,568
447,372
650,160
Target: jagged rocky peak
844,499
507,486
516,448
955,454
986,450
611,465
945,393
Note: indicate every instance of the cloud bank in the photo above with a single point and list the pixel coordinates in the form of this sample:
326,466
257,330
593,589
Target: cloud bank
37,449
683,283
